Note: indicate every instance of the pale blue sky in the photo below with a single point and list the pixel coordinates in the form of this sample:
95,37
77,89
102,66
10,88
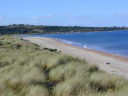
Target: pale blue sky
64,12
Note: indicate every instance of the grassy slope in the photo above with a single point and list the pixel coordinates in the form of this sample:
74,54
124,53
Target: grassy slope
26,70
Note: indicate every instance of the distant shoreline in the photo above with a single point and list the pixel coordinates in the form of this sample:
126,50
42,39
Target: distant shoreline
108,62
62,33
82,46
44,29
95,51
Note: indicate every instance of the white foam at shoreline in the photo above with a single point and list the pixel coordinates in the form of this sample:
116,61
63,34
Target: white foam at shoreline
78,44
69,42
85,46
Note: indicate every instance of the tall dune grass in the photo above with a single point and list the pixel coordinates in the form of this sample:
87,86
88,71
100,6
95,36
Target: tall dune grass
27,70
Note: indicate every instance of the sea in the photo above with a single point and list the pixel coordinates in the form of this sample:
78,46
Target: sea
115,42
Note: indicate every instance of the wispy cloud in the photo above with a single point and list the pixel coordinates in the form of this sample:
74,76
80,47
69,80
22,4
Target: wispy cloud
43,17
73,23
35,18
1,17
122,14
85,16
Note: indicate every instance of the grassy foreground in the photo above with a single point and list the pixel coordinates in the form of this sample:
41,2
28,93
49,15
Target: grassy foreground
26,70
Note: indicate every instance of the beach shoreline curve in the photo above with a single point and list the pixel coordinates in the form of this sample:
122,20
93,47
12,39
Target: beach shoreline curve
110,63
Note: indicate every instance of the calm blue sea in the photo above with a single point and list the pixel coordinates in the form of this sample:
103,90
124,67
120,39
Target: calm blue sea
115,42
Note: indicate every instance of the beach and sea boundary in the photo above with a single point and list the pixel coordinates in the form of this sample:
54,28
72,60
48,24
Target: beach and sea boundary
110,63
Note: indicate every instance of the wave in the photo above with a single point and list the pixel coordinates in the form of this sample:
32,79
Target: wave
78,44
69,42
85,46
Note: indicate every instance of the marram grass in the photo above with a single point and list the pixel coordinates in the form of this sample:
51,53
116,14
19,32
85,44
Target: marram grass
27,70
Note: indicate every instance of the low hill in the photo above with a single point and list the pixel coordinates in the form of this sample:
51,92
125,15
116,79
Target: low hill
40,29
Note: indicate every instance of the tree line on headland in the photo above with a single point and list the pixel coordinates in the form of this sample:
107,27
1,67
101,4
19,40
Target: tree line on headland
41,29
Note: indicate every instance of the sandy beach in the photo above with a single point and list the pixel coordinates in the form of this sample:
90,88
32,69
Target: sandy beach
108,62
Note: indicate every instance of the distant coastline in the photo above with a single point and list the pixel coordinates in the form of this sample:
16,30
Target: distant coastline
60,33
41,29
100,41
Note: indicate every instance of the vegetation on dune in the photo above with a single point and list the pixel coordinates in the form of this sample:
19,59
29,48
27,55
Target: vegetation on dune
40,29
27,70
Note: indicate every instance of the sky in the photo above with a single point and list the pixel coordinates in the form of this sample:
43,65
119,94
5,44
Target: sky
95,13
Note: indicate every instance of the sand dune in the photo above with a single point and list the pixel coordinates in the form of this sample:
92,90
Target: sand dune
107,62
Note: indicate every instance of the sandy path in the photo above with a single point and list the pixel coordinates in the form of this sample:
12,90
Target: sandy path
118,64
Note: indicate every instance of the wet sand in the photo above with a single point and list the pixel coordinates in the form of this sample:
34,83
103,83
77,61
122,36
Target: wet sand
108,62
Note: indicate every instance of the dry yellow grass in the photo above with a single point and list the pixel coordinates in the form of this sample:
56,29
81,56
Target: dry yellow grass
27,70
